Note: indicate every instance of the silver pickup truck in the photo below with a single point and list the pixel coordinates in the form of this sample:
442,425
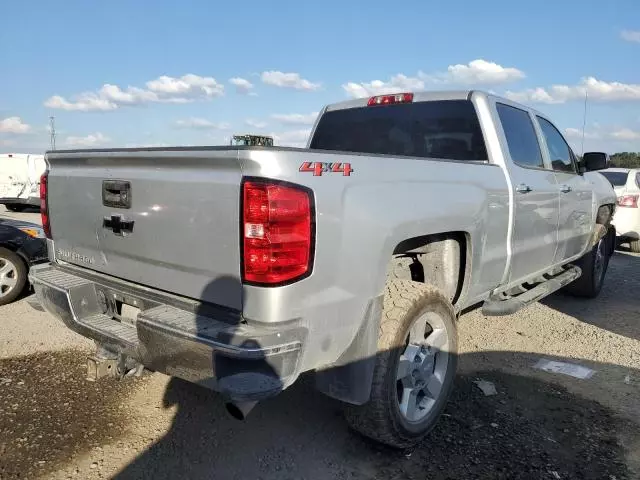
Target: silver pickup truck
241,268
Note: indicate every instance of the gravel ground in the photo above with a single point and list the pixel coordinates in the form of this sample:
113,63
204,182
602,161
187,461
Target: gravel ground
54,424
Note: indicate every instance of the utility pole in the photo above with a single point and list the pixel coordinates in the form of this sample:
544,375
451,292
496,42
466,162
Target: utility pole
52,132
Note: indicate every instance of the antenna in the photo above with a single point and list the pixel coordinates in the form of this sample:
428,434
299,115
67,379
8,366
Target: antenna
584,119
52,132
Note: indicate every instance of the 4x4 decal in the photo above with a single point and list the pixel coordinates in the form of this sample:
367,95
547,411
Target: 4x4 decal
318,168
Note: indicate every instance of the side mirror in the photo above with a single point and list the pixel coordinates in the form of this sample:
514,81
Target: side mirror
593,161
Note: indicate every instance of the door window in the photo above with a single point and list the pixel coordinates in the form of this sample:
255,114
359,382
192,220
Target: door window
560,154
521,136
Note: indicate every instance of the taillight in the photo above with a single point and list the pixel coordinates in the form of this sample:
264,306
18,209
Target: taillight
44,206
277,232
628,201
390,99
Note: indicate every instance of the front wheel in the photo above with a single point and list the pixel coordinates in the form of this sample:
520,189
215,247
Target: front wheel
13,276
594,268
415,366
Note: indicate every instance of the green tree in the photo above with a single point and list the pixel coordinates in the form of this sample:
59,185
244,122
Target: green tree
626,160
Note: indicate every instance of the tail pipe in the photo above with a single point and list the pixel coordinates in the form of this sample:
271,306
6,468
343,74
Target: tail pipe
240,410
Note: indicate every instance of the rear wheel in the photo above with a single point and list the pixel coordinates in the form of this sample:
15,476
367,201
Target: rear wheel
594,268
13,276
415,366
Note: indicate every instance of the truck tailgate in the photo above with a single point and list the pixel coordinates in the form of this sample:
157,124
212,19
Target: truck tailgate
180,232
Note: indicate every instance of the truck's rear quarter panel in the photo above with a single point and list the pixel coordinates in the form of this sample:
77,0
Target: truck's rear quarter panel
361,218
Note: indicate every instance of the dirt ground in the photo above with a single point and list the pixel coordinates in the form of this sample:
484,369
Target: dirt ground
538,425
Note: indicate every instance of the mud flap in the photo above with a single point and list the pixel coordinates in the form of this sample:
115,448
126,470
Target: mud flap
349,379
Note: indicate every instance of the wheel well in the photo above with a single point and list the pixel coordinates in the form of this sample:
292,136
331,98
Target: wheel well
440,259
604,217
15,250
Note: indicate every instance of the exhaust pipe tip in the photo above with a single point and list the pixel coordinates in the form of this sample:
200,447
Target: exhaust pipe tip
240,410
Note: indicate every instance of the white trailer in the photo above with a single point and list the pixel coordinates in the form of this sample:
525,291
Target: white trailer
20,179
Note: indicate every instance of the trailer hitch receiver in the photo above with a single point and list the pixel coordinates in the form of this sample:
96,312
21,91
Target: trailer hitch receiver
98,367
105,363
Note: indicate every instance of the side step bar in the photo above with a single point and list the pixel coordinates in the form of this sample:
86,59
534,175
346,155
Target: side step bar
495,306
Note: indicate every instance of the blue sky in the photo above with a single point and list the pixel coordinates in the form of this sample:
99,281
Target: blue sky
134,73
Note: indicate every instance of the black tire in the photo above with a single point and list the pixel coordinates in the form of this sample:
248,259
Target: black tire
589,284
21,271
380,418
15,207
634,245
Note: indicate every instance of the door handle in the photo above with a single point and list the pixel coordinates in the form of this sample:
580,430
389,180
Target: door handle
522,188
565,188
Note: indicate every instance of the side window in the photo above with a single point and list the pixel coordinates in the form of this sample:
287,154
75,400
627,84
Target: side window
559,152
638,180
521,136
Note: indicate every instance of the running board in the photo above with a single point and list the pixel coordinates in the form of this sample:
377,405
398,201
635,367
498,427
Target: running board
495,307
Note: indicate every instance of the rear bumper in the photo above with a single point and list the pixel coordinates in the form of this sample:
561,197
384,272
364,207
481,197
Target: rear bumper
218,350
627,222
32,201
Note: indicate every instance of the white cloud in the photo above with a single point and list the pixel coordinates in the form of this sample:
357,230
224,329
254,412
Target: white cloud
242,85
597,90
396,84
576,133
604,138
255,123
288,80
163,89
630,35
201,123
148,145
91,140
85,102
14,125
188,87
7,143
533,95
296,118
292,138
625,134
476,72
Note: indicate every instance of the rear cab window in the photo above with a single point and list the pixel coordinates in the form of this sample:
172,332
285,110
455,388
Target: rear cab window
444,129
617,179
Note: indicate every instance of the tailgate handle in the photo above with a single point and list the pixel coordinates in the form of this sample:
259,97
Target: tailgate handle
116,193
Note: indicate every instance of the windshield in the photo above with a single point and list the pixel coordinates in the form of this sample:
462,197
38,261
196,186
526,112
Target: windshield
617,179
439,129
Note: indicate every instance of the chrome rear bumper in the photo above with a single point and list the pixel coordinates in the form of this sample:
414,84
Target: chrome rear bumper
219,351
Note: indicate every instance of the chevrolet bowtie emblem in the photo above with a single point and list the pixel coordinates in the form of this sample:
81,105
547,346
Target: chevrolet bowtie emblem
118,225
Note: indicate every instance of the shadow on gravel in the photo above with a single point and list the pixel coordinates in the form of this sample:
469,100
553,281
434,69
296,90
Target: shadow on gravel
617,309
49,413
530,429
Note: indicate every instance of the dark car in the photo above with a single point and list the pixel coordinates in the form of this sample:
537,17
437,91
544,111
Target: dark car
22,244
